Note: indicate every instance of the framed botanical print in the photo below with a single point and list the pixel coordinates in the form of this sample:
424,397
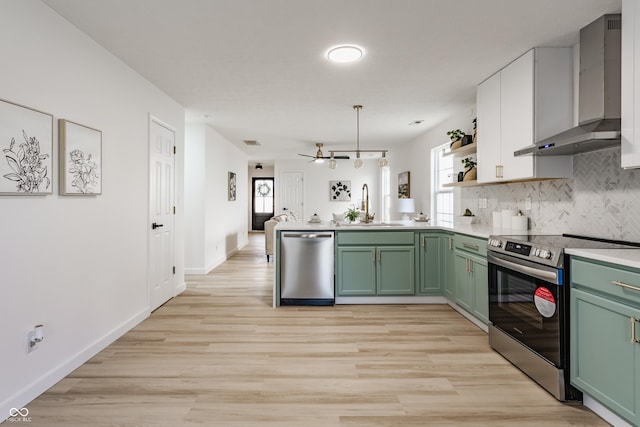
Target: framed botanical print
340,191
404,185
80,155
232,186
26,140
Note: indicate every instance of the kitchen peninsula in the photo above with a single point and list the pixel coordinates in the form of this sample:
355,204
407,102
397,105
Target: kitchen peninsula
404,262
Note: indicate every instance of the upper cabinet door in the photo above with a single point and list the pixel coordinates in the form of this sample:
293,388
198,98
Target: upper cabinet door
488,109
630,141
517,116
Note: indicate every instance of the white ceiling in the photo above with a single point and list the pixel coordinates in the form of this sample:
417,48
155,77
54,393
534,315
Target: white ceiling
257,70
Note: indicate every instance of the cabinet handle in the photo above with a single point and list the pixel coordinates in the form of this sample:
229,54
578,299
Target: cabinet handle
470,246
624,285
424,240
450,243
470,266
467,261
634,340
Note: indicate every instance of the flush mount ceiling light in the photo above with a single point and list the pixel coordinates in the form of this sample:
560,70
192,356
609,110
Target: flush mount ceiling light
382,162
344,54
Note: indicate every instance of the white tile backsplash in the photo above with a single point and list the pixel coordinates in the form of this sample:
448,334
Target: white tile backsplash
601,200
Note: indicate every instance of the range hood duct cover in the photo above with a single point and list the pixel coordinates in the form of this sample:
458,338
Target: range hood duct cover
599,96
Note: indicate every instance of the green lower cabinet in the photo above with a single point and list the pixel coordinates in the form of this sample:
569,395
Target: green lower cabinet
447,266
463,283
471,281
480,273
373,270
605,338
430,264
356,271
395,270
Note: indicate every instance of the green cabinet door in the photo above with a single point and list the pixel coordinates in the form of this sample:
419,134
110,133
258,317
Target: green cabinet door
447,266
430,264
480,279
605,361
463,283
356,270
395,270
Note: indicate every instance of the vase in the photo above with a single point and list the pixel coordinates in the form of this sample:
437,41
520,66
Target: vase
470,175
455,143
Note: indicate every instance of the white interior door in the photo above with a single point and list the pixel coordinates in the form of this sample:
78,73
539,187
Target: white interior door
292,193
162,211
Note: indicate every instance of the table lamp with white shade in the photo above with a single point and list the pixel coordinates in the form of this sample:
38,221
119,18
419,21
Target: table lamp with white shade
406,206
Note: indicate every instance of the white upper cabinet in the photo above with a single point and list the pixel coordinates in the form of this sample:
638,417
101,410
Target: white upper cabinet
528,100
630,141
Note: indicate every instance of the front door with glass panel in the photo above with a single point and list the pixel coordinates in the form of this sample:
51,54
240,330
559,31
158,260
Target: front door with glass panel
262,202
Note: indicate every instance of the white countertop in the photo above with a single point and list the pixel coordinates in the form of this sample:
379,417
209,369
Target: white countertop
625,257
476,230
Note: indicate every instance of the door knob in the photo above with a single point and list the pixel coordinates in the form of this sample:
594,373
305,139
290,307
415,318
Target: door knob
154,226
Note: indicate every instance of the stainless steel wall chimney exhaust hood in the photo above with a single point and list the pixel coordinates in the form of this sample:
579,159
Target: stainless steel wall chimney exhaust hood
599,96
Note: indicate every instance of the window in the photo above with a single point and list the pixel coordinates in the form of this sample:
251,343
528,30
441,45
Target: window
442,197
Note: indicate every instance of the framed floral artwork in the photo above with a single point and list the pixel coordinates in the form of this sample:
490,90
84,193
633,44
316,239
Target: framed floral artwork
80,155
26,140
340,191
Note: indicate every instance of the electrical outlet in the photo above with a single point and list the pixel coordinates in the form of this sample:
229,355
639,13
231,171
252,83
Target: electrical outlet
483,203
527,204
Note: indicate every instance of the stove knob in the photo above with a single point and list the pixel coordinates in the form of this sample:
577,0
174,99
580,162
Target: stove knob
536,252
545,254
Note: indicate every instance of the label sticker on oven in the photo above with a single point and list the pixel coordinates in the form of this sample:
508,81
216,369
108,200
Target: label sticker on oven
545,302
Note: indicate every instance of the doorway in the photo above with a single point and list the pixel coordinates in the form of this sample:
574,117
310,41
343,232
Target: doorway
261,201
161,211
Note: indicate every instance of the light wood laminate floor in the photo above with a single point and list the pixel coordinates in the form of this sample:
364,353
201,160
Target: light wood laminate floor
220,355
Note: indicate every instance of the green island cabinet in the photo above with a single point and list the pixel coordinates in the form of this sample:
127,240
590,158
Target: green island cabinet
605,335
372,263
431,263
471,286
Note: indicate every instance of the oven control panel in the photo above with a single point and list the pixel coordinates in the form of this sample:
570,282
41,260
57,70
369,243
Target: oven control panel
518,248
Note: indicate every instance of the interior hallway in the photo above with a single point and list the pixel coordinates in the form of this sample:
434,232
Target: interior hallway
220,355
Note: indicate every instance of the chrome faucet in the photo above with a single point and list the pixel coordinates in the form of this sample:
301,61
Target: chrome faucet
365,205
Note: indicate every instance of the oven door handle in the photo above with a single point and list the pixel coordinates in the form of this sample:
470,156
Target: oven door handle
531,271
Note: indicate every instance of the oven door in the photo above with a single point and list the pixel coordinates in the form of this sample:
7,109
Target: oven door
526,302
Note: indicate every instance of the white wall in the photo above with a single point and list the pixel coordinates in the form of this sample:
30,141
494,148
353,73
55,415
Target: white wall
76,264
217,227
316,186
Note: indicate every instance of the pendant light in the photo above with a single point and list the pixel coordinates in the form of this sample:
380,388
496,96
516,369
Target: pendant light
382,162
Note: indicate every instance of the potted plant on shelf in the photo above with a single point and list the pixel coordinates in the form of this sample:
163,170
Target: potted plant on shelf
456,138
353,214
470,172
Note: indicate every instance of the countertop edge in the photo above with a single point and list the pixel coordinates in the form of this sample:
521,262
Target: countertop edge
623,257
475,230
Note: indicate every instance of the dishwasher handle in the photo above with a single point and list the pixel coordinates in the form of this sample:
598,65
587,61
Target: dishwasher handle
309,236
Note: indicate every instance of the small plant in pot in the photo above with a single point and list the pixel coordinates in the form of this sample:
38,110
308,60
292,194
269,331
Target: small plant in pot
456,138
352,214
470,172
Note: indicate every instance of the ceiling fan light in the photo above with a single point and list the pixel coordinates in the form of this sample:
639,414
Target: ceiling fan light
319,160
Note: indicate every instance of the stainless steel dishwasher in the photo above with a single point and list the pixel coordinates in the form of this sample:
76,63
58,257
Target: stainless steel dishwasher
306,268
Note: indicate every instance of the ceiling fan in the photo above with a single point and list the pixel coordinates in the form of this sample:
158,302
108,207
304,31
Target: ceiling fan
320,156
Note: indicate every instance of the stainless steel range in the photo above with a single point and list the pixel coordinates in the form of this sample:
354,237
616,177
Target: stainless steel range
529,304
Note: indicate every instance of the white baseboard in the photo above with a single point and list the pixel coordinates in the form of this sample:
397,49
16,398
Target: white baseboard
22,398
180,288
470,317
